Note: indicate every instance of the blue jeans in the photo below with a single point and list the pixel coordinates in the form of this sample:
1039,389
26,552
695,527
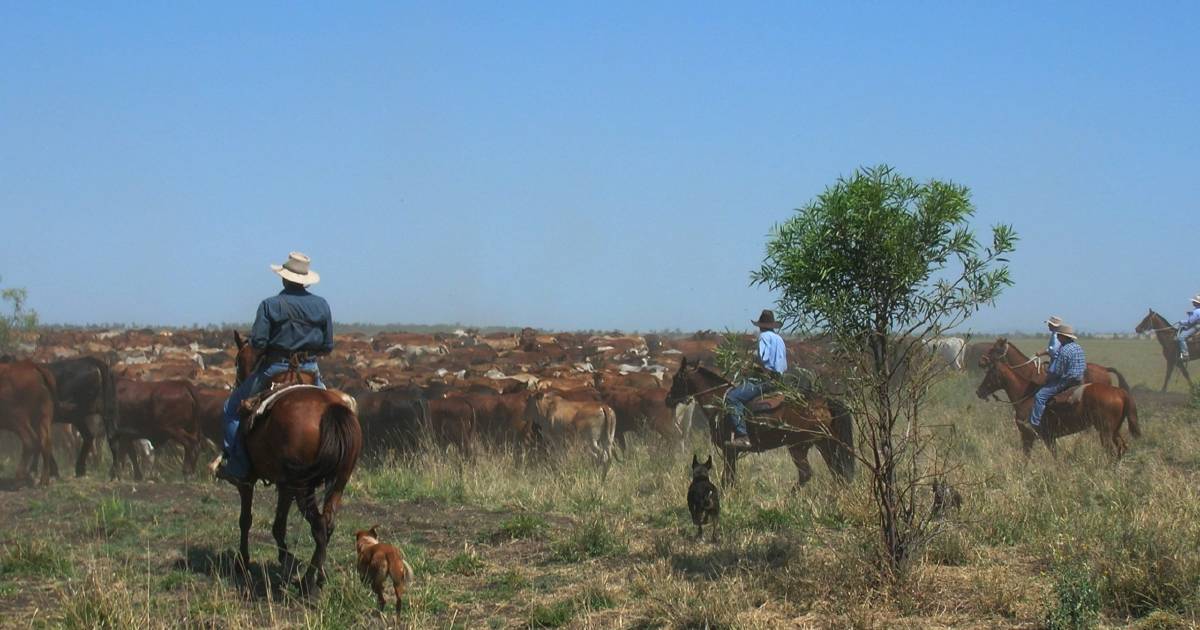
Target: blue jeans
1043,396
236,460
1182,338
736,400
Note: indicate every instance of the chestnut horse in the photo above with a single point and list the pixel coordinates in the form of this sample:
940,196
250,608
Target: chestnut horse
27,393
310,437
1165,333
824,422
1035,372
1102,406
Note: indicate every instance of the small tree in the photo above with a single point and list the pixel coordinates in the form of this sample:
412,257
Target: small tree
882,264
19,322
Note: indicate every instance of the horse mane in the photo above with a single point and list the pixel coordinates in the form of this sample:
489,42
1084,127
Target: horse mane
707,371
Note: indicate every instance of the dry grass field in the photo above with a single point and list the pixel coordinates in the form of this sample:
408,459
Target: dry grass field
497,544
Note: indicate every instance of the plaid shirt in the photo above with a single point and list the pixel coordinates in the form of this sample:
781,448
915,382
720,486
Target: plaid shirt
1069,363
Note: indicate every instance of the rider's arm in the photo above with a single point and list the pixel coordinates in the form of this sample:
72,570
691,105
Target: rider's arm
327,346
260,333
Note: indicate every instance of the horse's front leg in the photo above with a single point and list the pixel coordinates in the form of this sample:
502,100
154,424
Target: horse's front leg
279,529
1184,370
730,457
1170,370
246,491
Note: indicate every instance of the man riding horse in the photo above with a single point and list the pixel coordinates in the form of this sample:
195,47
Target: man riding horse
1066,371
1188,327
291,329
772,363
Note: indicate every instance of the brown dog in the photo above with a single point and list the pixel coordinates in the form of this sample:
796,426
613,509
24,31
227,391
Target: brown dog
377,561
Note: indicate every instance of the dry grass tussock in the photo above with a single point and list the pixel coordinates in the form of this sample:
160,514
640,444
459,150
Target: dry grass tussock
501,542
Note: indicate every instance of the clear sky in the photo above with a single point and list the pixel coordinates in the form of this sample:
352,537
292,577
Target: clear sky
578,165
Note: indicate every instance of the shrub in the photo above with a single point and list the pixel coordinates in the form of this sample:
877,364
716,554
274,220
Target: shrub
1076,602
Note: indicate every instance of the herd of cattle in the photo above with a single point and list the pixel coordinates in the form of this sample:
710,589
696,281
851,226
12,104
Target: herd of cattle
143,389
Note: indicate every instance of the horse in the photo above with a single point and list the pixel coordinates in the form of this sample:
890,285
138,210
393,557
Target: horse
1031,369
1100,405
824,422
308,438
1165,333
27,400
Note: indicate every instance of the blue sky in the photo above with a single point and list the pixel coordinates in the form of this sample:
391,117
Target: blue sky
602,165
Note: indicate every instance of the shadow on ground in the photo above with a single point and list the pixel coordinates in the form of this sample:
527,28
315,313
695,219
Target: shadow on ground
258,581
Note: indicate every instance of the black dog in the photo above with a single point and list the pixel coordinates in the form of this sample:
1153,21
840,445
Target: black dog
703,502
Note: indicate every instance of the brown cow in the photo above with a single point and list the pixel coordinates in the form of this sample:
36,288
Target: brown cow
559,421
27,394
642,408
451,420
159,412
501,417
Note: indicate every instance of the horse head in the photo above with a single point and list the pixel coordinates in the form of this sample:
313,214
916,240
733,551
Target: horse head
998,352
681,384
991,380
1149,323
247,358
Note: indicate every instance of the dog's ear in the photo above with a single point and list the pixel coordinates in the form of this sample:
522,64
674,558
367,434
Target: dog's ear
695,462
374,531
708,462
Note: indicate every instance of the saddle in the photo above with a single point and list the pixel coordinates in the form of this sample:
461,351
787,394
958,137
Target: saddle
260,404
767,404
1069,397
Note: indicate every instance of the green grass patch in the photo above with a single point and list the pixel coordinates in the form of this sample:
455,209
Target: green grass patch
591,539
35,559
520,526
465,563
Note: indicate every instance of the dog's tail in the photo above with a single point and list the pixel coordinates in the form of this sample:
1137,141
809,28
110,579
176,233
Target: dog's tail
406,575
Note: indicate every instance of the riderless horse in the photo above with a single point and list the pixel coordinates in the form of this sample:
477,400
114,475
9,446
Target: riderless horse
797,426
1165,333
1096,405
308,437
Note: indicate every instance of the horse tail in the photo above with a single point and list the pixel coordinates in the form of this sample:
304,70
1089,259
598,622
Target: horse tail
339,437
1131,416
1121,382
843,437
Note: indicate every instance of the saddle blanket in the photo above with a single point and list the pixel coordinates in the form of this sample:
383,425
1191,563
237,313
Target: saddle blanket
1071,396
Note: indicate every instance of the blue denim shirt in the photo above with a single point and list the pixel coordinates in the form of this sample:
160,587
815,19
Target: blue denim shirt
1070,362
293,321
1192,320
772,351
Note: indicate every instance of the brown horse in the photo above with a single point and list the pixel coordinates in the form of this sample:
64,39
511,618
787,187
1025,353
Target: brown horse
27,394
824,422
1033,371
309,438
1165,333
1102,406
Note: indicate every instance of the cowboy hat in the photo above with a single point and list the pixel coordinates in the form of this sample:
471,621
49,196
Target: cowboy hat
1066,330
1055,321
296,269
767,320
1196,300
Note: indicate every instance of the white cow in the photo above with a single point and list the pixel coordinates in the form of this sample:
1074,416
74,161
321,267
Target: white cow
948,349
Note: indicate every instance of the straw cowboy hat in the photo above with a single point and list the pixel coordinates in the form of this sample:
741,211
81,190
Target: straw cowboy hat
1067,331
296,269
767,320
1196,300
1055,321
